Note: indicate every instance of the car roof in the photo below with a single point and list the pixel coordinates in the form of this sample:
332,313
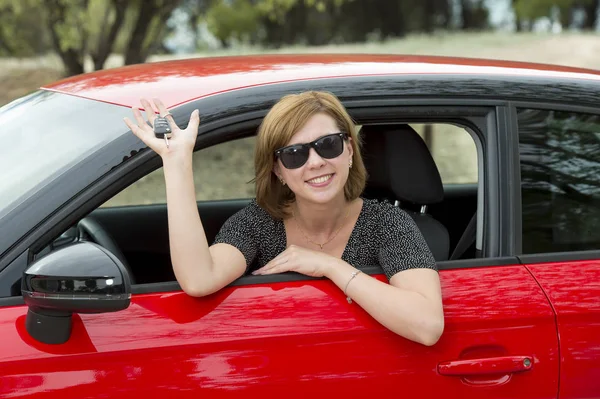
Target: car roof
180,81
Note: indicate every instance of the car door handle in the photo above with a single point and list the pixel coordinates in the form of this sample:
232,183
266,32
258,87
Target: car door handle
486,366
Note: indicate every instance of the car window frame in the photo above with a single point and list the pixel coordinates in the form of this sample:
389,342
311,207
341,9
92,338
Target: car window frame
234,112
39,218
419,114
514,133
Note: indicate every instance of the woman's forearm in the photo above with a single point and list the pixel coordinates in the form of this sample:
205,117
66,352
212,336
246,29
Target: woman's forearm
190,255
407,313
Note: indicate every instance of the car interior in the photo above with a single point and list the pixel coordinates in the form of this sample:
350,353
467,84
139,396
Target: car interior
401,170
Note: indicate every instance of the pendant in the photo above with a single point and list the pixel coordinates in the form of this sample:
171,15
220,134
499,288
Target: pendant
320,246
349,299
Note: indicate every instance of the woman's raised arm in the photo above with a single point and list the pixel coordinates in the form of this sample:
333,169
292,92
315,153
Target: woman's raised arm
199,269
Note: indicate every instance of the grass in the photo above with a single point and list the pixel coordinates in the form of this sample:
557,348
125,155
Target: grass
16,83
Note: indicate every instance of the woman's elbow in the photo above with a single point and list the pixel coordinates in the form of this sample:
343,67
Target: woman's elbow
197,290
432,332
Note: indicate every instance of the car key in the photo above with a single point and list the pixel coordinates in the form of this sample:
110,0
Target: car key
162,129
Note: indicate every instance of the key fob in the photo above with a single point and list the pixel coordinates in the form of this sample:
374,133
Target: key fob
162,128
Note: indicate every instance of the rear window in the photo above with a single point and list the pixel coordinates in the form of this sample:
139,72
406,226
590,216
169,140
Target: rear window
560,180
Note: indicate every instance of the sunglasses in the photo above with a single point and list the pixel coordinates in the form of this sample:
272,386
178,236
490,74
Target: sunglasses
328,147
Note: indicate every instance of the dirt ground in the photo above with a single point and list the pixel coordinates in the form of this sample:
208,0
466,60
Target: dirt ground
224,171
15,83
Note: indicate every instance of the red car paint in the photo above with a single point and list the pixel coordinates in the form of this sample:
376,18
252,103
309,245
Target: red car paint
293,340
574,290
177,82
511,331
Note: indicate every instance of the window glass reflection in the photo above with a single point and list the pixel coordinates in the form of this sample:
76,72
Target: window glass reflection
57,285
560,177
45,133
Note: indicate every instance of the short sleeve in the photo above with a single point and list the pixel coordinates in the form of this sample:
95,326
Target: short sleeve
240,230
403,246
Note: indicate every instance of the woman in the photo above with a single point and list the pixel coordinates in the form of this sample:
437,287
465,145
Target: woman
308,217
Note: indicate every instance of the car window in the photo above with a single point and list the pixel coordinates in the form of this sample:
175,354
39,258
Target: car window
453,150
41,137
560,180
226,170
223,171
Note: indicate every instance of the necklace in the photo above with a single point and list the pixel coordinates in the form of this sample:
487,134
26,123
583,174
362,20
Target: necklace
326,242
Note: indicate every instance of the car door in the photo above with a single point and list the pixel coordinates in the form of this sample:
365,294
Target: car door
560,165
293,336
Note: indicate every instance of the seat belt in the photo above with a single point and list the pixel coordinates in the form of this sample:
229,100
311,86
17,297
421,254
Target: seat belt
466,240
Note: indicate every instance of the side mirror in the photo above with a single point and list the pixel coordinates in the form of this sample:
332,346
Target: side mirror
79,278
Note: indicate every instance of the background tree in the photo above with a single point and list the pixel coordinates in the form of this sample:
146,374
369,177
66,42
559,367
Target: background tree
234,20
474,14
531,10
435,14
591,7
149,29
22,32
76,29
196,11
112,21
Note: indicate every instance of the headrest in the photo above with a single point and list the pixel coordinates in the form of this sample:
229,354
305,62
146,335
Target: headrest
400,166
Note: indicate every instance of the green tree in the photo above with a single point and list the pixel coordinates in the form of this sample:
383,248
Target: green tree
196,11
530,10
434,14
22,34
76,29
149,29
474,14
237,19
591,7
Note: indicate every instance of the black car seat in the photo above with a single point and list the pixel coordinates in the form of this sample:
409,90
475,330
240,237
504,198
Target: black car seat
403,172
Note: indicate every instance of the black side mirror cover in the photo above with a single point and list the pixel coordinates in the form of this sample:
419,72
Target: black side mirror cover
79,278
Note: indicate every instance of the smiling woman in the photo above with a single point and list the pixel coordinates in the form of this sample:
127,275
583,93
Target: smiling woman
308,217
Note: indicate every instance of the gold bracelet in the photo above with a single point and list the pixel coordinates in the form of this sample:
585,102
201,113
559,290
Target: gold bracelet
354,274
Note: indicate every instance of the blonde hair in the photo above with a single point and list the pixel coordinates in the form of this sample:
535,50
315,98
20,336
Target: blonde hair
286,117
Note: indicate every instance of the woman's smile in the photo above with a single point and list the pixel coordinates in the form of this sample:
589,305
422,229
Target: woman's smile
321,181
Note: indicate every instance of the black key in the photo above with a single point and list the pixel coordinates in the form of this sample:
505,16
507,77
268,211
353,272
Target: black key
162,128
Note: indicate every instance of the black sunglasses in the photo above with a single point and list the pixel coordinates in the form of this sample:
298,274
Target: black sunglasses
296,155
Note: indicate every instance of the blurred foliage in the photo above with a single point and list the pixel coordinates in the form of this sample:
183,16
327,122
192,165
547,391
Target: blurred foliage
314,22
557,10
277,10
237,20
21,33
474,14
75,29
78,29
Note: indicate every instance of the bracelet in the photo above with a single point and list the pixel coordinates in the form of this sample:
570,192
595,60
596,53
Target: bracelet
354,274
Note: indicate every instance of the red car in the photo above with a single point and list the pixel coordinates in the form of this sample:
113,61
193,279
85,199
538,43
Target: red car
509,203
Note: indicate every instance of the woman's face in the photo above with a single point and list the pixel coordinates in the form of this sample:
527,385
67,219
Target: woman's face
319,180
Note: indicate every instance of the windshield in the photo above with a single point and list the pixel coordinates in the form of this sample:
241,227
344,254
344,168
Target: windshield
44,133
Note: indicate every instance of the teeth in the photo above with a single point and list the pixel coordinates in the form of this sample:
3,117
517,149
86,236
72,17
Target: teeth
321,179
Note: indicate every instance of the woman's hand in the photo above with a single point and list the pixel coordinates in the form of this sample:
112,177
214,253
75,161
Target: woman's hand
181,141
299,260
